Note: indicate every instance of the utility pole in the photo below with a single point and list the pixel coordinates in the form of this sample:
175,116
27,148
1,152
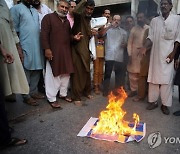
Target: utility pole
134,7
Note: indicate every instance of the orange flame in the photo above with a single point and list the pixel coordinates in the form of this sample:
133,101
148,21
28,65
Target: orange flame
111,120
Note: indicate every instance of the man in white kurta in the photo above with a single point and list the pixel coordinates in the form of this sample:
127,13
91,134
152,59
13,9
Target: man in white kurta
164,38
135,41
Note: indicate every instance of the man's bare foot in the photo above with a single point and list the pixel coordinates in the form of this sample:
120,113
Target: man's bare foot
137,99
78,103
90,96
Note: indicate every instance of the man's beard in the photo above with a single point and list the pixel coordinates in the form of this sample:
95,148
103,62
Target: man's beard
88,15
63,15
27,3
36,5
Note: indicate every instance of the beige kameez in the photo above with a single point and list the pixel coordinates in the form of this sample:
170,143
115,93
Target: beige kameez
135,42
13,74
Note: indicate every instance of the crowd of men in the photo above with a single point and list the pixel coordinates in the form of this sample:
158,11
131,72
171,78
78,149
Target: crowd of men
50,51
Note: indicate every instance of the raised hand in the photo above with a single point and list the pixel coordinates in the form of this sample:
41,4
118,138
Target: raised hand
78,36
94,32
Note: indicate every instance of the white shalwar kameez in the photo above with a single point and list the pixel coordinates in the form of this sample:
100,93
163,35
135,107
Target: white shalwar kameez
55,84
163,34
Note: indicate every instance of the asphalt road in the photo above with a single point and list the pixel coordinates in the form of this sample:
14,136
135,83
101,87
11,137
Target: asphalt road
55,131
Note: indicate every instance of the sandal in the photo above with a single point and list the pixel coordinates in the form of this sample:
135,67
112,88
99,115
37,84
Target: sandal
13,142
55,105
78,103
16,142
38,96
31,101
67,99
138,99
90,96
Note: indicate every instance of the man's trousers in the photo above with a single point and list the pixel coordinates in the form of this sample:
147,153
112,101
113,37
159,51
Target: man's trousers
119,75
98,71
33,79
53,85
164,91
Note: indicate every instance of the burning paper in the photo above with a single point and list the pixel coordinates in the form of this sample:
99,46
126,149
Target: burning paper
111,125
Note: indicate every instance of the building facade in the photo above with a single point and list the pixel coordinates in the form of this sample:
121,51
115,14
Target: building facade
120,6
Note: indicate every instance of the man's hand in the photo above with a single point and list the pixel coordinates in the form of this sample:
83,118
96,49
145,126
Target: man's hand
176,64
48,54
78,36
8,58
94,32
21,56
142,50
170,57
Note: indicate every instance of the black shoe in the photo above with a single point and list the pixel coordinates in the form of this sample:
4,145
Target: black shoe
165,109
177,113
11,98
152,106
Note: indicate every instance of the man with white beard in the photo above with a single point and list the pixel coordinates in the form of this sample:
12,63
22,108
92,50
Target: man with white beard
56,39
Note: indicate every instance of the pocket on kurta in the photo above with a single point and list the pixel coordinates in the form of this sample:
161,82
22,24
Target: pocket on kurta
169,33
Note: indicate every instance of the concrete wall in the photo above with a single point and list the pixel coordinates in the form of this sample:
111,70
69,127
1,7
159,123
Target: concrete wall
49,3
110,2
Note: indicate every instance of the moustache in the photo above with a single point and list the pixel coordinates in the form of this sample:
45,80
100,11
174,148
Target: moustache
62,14
163,8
